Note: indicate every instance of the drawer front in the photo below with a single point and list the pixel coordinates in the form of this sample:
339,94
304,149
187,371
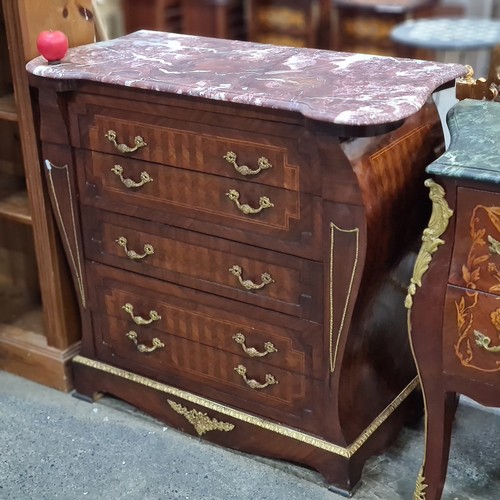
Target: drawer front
471,343
224,207
476,255
228,378
251,275
275,340
265,152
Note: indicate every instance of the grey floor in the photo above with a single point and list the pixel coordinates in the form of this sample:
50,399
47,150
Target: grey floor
53,446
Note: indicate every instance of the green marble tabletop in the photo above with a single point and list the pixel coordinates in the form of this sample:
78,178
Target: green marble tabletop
474,151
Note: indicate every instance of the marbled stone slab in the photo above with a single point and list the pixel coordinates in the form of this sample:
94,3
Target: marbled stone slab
474,151
335,87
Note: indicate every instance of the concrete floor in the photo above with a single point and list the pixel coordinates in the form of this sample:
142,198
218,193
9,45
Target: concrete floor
53,446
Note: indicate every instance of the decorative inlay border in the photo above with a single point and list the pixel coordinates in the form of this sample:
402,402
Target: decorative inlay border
355,231
75,261
252,419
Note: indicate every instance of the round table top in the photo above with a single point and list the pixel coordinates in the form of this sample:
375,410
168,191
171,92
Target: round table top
384,6
448,34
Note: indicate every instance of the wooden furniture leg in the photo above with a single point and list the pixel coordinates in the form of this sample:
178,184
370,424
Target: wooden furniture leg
440,411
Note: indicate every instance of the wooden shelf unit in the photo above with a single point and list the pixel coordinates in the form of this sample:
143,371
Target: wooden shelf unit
39,323
16,207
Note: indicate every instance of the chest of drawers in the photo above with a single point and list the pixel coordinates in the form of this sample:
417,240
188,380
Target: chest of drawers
238,233
454,318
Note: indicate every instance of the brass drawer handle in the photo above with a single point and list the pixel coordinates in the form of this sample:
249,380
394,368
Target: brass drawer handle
123,148
264,202
157,343
139,320
484,342
129,183
494,246
248,284
239,338
253,384
133,255
262,162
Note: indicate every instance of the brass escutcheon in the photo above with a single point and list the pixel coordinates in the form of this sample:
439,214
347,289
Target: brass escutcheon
262,162
129,183
139,320
157,343
240,339
123,148
132,254
248,284
253,384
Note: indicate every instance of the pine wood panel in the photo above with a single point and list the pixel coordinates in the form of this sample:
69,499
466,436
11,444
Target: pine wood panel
73,17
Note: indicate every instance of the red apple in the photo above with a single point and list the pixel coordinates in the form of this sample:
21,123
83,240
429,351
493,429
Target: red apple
52,45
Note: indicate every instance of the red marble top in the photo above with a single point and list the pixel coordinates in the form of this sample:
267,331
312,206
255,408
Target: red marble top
335,87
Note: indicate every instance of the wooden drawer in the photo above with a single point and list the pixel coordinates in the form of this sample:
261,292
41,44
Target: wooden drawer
269,150
283,395
187,359
233,270
471,335
476,254
208,320
175,195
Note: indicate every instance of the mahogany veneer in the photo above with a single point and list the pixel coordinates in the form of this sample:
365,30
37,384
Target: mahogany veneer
240,251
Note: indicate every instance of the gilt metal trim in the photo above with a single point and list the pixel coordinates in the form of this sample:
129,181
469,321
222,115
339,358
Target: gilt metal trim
355,231
73,259
280,429
431,240
421,486
201,422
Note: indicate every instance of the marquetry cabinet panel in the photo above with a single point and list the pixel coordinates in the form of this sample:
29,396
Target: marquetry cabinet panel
455,317
476,256
471,335
239,265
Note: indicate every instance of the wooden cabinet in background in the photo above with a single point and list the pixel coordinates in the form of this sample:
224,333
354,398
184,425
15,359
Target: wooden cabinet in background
39,325
158,15
215,18
284,22
365,26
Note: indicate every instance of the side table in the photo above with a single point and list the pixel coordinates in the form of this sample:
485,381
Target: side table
446,34
454,297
